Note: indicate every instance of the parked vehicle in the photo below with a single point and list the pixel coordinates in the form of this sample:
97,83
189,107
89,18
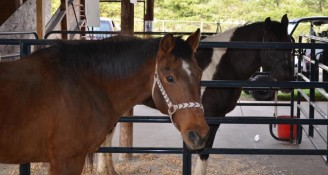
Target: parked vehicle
106,25
316,26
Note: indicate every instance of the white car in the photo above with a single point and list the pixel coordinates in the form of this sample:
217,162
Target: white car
106,25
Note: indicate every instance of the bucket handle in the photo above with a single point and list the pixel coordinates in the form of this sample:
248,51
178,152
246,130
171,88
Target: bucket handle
298,134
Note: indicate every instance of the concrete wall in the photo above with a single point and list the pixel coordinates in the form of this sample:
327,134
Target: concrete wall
24,20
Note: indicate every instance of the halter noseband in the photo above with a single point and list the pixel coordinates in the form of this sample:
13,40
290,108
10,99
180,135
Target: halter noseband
172,108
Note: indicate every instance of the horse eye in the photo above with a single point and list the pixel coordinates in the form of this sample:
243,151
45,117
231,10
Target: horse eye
170,79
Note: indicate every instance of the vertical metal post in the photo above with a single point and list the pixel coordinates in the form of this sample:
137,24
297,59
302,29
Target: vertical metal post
313,77
327,146
299,70
292,102
186,166
25,49
25,169
292,116
298,110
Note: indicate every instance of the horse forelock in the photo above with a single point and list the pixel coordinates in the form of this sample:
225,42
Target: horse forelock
182,49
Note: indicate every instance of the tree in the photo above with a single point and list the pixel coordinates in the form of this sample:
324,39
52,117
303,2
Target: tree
218,10
319,5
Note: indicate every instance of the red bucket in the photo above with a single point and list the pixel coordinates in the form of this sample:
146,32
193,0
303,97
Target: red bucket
284,129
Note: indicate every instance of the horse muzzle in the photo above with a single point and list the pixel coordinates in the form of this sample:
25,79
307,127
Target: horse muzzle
194,129
195,140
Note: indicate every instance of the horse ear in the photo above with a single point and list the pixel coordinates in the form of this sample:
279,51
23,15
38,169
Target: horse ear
166,44
284,20
267,23
193,40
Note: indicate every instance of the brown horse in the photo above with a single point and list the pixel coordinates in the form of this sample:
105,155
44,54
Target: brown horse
239,64
58,104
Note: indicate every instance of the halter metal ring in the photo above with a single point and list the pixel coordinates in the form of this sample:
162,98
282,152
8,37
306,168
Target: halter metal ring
172,109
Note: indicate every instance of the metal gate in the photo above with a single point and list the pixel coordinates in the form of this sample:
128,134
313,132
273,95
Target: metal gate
310,121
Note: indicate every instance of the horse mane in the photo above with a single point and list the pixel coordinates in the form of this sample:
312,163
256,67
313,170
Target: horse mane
250,28
239,33
116,56
220,37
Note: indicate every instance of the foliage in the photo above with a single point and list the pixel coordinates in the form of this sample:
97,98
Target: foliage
249,10
287,97
221,10
54,6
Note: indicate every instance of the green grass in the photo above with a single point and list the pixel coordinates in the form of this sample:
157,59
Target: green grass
286,97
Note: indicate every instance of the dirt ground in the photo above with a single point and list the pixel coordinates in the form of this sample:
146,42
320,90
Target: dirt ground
160,164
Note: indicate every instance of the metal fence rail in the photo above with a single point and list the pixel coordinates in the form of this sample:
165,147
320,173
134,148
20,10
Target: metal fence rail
313,76
26,44
15,34
113,33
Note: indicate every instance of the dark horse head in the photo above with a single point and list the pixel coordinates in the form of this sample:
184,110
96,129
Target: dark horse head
277,61
241,64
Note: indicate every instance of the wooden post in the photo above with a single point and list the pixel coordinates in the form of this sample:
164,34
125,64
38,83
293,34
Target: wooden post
127,17
64,22
126,129
40,18
126,137
149,16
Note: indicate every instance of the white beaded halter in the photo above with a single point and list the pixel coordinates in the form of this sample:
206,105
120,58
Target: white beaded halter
172,108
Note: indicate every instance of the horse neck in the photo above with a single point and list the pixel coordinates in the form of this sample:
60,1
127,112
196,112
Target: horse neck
125,92
237,64
120,68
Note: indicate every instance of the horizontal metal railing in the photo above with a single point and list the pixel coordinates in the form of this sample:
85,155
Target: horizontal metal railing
312,76
228,120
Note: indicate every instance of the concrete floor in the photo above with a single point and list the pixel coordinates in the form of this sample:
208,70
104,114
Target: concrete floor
238,136
232,136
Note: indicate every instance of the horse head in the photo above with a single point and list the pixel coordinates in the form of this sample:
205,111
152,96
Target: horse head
176,88
277,61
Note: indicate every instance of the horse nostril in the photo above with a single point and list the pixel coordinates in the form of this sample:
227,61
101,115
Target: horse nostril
194,137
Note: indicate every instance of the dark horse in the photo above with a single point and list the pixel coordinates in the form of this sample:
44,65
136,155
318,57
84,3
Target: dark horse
58,104
240,64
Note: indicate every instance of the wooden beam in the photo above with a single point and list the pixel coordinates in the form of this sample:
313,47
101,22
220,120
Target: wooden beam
40,18
127,28
126,136
149,16
55,20
127,17
64,22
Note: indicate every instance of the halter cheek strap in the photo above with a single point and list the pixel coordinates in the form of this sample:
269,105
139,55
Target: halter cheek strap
172,108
